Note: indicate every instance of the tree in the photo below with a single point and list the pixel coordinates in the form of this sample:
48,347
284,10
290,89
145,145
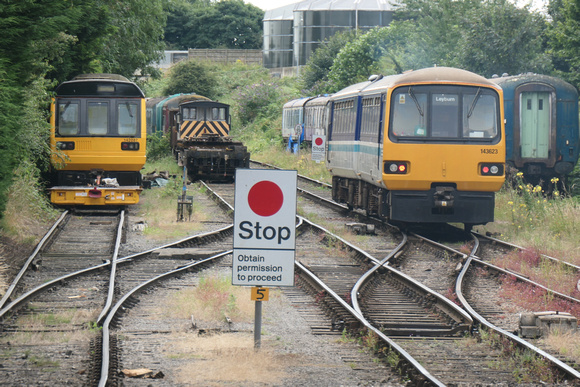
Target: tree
189,76
499,37
63,35
361,58
485,37
564,38
10,103
315,73
223,24
136,37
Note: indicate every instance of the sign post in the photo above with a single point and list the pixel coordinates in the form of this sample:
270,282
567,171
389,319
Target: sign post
318,148
264,233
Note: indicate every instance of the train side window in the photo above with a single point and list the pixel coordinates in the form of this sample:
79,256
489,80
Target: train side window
127,113
98,118
68,118
409,114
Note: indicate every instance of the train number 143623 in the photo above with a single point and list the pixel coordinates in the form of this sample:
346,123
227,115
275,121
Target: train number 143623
489,151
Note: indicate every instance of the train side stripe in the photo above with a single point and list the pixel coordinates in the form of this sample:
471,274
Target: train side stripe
356,147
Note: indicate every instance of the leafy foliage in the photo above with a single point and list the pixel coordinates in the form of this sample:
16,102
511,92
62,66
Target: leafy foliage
220,24
158,147
499,37
315,73
485,37
564,39
10,102
135,41
253,99
189,76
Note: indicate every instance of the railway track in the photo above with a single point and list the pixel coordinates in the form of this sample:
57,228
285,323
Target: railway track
53,314
428,323
437,266
48,316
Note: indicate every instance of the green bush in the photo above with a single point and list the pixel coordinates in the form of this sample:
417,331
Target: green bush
158,147
189,76
253,101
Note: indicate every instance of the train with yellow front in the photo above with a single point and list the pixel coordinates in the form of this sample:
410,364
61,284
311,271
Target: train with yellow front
98,140
426,146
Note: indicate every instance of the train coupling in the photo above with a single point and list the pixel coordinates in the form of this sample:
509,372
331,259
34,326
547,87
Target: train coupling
444,196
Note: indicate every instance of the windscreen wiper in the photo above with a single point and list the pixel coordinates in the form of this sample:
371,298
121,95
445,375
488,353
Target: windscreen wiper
415,100
470,112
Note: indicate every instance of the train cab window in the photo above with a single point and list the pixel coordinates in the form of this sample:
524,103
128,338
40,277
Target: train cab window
190,114
68,118
98,118
218,114
479,116
127,114
444,114
409,113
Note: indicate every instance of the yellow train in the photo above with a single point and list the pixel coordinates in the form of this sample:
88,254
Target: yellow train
98,138
427,146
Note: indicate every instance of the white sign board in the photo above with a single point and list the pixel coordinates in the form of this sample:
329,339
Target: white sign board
318,148
264,228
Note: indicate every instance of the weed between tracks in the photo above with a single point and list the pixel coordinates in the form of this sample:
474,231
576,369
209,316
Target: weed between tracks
212,300
48,328
525,365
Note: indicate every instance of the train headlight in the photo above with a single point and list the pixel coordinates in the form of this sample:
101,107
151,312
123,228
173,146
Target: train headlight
396,167
489,169
133,146
65,145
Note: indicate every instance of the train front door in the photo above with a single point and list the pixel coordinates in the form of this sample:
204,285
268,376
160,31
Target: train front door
535,125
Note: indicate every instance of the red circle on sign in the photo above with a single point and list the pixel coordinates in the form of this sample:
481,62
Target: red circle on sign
318,141
265,198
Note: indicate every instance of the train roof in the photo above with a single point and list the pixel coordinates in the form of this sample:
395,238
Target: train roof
202,102
112,77
99,85
510,83
422,76
173,101
299,102
320,100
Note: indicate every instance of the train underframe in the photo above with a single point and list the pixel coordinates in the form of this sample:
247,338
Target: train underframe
213,160
96,188
443,203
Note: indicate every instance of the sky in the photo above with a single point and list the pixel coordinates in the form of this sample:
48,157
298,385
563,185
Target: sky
270,4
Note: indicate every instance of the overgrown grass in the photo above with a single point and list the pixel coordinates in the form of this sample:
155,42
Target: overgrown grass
527,216
212,300
28,210
526,366
301,162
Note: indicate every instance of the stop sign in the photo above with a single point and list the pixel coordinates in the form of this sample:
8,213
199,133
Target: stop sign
264,227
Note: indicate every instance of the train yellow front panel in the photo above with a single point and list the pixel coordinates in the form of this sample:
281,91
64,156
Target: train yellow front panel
443,163
104,153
